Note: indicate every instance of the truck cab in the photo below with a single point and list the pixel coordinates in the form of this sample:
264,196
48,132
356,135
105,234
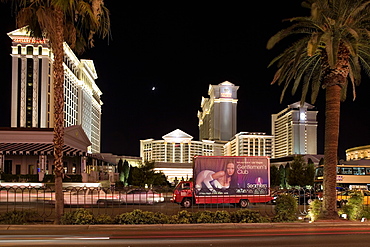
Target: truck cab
183,194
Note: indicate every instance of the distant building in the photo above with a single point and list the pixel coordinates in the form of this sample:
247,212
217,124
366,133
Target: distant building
173,155
249,144
295,130
217,119
358,153
177,147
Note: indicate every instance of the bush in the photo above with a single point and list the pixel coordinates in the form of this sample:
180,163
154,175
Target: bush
79,217
286,208
315,210
182,217
247,216
18,217
141,217
103,219
354,207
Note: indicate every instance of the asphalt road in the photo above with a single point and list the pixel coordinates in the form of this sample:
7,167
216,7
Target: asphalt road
340,233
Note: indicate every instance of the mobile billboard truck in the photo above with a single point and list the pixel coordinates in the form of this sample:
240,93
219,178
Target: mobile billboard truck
240,180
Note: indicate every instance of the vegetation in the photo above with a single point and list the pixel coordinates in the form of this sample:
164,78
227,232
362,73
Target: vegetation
145,175
274,176
354,207
124,171
74,22
315,210
330,48
301,173
18,217
286,208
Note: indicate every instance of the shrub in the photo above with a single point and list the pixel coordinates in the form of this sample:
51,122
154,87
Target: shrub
79,217
182,217
315,210
204,216
103,219
247,216
18,217
141,217
286,208
354,207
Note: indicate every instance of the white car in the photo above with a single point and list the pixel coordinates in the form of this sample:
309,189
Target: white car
139,196
24,195
90,196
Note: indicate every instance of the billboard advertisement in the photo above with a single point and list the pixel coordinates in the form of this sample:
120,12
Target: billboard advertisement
231,175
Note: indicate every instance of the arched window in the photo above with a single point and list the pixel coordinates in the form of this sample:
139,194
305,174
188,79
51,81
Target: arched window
19,49
29,50
40,50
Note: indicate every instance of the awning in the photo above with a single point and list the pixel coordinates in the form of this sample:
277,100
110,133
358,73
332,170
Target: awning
36,149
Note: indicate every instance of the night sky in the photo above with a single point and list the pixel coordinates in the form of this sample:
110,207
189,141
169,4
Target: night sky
178,50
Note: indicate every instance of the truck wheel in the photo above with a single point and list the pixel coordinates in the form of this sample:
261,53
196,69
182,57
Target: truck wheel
186,203
243,203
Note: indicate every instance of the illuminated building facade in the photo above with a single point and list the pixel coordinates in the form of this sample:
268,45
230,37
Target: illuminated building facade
358,153
250,144
26,147
177,147
32,101
173,155
217,118
295,130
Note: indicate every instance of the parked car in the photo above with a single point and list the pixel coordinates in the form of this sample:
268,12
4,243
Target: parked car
141,196
343,196
86,196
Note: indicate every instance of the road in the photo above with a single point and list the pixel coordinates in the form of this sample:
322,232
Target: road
216,235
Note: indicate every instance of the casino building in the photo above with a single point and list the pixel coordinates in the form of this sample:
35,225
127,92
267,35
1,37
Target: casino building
26,146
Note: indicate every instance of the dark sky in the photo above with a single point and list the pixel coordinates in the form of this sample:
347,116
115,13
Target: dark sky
180,49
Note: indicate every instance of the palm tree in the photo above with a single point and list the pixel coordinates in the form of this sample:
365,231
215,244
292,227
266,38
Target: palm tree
331,48
59,21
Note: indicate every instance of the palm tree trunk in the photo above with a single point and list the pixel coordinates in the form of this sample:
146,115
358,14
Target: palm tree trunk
57,45
331,151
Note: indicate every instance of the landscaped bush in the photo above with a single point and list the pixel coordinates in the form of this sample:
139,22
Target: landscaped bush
354,207
247,216
141,217
79,217
182,217
286,208
315,210
18,217
103,219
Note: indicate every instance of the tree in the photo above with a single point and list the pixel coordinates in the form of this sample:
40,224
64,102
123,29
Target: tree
296,175
282,176
331,48
59,21
274,176
146,175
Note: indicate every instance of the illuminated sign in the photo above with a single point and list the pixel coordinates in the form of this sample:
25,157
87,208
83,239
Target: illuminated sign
226,92
29,40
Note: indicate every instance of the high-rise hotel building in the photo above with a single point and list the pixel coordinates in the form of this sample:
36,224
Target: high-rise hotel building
217,118
295,130
250,144
178,147
32,101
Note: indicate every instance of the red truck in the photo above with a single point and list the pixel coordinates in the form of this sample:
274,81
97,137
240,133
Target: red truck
226,179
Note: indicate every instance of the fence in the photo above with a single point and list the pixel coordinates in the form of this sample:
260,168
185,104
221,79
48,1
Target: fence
109,201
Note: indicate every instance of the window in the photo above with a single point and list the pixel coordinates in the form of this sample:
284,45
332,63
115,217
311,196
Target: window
29,50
